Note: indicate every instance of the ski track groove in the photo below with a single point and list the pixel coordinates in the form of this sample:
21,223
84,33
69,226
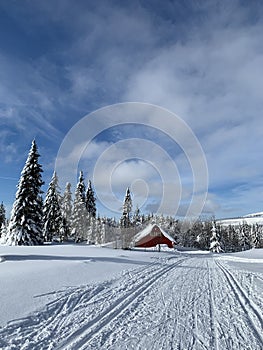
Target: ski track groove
214,334
44,325
246,304
104,294
200,305
79,339
168,333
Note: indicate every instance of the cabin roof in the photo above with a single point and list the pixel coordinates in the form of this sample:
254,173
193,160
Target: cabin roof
148,230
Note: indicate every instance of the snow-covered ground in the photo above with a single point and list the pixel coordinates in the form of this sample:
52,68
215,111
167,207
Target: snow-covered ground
249,219
241,221
83,297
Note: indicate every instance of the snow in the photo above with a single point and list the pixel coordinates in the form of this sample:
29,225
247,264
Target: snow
249,220
148,230
86,297
258,214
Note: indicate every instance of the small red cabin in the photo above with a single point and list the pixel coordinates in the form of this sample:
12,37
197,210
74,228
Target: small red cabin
152,236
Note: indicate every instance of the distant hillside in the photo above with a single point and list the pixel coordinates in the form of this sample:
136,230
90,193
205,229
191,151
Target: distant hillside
250,219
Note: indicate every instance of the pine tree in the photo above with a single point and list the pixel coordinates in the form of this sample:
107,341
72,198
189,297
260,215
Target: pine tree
258,240
127,208
245,237
215,246
3,233
81,185
52,216
25,227
195,234
66,207
91,201
100,231
234,239
2,214
79,217
137,220
91,230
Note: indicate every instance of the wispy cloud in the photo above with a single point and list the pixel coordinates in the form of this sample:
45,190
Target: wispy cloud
200,59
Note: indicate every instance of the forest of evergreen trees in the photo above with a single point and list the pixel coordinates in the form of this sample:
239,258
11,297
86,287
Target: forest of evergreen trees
62,217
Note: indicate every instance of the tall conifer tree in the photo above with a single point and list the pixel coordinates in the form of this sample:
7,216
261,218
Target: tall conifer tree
2,214
25,227
127,208
80,215
215,246
91,201
52,216
66,207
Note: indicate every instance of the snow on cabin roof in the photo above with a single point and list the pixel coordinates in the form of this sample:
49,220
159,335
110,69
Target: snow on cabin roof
148,230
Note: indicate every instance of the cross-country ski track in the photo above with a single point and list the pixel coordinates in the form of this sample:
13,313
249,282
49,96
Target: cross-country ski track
176,302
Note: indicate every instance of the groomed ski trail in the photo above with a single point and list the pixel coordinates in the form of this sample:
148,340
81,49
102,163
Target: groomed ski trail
175,303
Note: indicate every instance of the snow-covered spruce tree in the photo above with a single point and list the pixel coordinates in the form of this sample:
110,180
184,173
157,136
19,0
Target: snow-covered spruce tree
204,237
125,220
234,239
52,215
25,226
2,222
137,219
91,230
91,201
127,231
100,231
3,233
80,215
81,185
66,207
215,246
2,214
257,237
195,234
245,238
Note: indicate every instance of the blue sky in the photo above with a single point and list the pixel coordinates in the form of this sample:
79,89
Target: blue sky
202,60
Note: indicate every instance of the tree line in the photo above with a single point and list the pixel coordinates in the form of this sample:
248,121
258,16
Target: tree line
60,217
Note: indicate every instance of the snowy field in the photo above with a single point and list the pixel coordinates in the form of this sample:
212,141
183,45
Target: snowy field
83,297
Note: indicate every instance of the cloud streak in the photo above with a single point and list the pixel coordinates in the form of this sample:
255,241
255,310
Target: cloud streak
200,59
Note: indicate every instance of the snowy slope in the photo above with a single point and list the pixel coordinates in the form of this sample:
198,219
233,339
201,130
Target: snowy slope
250,219
29,274
82,297
241,221
258,214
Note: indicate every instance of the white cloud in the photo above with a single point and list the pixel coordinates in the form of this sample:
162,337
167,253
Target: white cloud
207,71
213,82
27,98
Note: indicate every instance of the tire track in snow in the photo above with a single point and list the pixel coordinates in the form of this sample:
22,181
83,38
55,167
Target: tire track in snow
78,340
251,310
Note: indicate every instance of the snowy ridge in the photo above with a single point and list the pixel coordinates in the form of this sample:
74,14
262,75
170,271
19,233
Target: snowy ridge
259,214
250,220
